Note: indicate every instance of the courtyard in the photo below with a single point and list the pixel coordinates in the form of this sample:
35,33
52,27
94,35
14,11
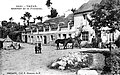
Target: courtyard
24,60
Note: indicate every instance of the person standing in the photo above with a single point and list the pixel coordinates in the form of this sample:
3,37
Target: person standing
39,48
94,44
99,42
36,49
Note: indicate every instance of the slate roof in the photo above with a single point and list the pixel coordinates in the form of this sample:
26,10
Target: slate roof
39,24
87,6
59,19
55,20
70,17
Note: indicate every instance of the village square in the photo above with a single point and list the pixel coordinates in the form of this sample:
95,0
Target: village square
83,42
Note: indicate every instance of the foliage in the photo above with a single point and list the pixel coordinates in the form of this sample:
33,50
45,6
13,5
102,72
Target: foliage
27,17
113,61
48,3
10,19
53,11
53,14
12,29
23,18
87,45
4,23
40,18
73,10
106,14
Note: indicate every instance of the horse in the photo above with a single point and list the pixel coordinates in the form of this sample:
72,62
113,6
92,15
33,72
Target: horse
62,41
68,40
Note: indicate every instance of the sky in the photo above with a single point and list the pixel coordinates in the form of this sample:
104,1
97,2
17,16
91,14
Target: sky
36,8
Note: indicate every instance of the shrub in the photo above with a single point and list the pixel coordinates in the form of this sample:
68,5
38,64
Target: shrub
113,61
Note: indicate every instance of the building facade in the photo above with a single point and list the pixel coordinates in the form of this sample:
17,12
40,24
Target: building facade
81,19
60,27
50,30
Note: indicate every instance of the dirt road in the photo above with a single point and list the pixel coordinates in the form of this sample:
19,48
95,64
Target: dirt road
26,62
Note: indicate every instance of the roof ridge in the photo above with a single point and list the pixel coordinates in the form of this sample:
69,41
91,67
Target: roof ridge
87,6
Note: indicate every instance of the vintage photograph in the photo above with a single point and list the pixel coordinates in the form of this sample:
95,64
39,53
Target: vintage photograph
60,37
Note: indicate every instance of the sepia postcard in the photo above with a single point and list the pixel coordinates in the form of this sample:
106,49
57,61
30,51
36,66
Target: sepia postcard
59,37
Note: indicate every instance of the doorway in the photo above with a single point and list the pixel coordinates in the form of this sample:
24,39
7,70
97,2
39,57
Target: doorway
45,40
64,35
25,38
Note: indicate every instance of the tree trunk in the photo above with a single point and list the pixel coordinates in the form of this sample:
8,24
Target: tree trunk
28,23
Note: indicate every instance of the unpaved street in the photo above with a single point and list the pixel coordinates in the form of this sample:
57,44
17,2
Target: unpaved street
26,62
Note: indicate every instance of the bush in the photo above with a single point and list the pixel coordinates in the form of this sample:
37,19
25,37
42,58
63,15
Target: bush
79,60
87,45
113,61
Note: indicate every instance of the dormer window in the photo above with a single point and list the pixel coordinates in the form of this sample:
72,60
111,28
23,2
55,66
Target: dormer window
63,25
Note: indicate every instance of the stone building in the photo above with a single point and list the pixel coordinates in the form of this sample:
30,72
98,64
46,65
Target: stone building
81,17
61,26
50,30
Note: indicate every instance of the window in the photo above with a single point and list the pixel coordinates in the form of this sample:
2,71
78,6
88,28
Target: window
41,29
54,26
46,28
64,35
31,36
69,34
85,36
59,35
41,37
63,25
37,36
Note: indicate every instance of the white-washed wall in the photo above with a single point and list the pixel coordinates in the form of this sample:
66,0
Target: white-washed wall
78,20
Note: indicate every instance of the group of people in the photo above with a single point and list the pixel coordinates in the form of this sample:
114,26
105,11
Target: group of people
15,45
38,48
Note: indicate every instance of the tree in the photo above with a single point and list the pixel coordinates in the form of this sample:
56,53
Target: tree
48,3
39,18
27,17
12,29
11,19
24,19
53,14
4,23
73,10
53,11
106,14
